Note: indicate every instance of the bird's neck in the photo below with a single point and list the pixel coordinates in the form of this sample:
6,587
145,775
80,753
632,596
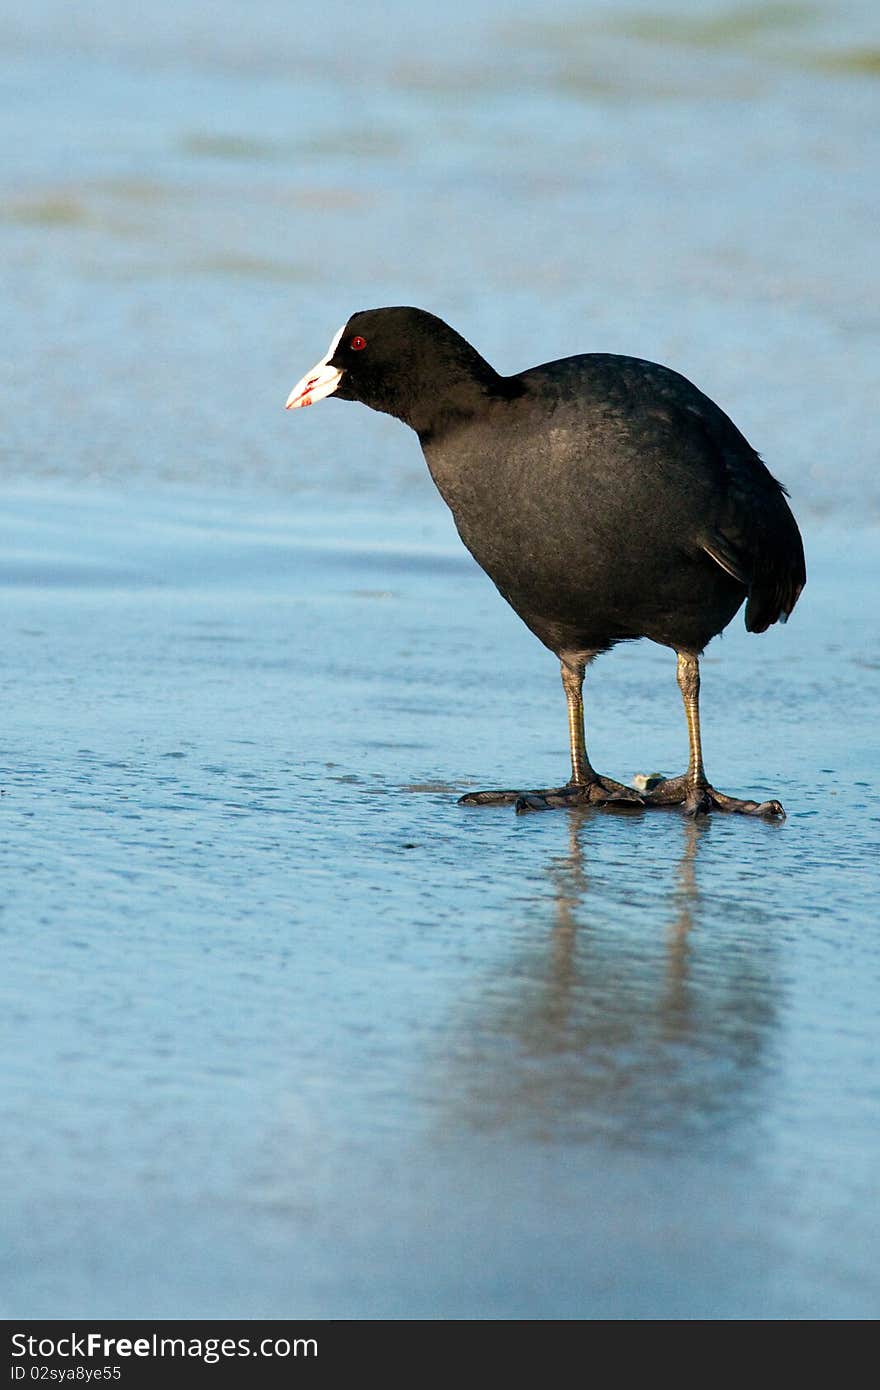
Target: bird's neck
455,399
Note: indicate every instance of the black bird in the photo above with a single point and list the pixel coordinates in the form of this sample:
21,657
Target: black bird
605,496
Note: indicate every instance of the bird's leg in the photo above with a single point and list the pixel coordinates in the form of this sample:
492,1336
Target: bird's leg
693,791
586,787
573,685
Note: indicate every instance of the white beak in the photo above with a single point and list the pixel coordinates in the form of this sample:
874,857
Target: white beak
321,381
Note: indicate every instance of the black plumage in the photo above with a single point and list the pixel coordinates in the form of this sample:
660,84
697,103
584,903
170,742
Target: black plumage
606,497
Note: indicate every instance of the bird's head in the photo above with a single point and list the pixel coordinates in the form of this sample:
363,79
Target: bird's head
403,361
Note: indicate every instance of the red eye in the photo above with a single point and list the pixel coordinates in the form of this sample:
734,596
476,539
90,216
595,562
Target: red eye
358,344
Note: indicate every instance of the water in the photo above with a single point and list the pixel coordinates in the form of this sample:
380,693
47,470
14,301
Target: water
286,1030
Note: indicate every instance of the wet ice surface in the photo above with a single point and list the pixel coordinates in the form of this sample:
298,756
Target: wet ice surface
285,1030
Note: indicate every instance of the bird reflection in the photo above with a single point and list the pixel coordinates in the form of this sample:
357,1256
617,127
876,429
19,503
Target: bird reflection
607,1026
685,898
569,877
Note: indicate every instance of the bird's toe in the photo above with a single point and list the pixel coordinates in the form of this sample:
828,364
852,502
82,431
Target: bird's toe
489,798
767,810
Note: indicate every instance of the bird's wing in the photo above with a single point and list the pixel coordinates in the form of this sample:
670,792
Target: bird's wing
748,527
754,536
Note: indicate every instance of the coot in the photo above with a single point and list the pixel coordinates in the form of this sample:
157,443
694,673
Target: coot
606,497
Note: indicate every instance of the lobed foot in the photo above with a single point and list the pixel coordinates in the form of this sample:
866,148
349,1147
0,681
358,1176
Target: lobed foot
600,791
701,800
